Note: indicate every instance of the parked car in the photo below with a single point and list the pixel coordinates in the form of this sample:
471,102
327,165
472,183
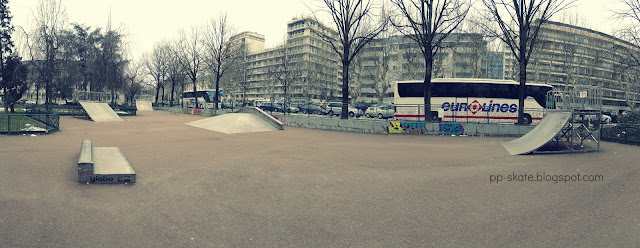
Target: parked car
592,117
335,108
312,109
268,106
290,109
612,114
380,111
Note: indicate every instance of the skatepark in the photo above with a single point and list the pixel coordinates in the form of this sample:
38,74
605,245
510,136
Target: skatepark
308,188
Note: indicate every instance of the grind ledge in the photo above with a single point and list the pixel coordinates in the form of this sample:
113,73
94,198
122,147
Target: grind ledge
106,165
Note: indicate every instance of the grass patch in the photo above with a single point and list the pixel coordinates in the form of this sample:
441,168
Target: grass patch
19,123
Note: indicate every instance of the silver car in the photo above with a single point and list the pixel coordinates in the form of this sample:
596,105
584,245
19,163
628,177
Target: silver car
380,111
335,108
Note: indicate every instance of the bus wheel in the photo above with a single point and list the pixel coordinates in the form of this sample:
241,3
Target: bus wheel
351,114
526,119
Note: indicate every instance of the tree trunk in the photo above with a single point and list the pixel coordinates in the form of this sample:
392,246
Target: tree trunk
157,89
215,95
194,92
428,70
173,89
521,95
4,101
345,89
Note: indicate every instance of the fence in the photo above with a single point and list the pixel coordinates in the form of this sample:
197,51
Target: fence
29,123
67,109
622,133
75,109
581,97
91,96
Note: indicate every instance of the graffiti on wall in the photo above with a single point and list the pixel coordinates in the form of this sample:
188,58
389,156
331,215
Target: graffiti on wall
451,129
397,127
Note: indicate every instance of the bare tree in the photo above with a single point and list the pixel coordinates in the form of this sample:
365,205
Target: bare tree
175,75
386,67
428,23
157,65
631,33
134,82
220,50
188,51
286,71
50,19
239,71
356,76
519,24
351,18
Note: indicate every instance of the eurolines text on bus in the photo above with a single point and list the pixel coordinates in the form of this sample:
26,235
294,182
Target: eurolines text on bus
475,107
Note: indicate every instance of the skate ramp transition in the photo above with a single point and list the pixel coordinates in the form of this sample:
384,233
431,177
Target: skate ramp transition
144,105
234,123
100,112
547,129
106,165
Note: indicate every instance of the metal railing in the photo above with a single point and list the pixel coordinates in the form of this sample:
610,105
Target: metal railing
29,123
67,109
91,96
581,97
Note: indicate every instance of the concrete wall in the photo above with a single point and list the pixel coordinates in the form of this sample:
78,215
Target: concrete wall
365,125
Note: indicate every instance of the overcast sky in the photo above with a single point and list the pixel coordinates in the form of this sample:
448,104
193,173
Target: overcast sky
148,21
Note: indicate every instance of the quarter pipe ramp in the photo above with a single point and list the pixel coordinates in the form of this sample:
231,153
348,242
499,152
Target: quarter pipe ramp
546,130
100,112
144,105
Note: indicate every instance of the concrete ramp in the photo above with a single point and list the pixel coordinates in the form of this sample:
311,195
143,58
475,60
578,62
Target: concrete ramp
234,123
546,130
100,112
144,105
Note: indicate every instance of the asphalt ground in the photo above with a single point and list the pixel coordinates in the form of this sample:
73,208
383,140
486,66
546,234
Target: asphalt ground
309,188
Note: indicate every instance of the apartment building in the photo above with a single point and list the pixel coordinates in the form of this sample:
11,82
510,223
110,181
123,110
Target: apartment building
569,55
393,58
305,65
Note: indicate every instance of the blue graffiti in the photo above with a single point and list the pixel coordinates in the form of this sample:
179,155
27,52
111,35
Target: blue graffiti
451,129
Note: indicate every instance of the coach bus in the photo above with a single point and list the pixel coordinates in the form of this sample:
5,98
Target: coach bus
205,98
470,100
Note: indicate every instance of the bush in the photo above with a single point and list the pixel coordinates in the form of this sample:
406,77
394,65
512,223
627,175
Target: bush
630,117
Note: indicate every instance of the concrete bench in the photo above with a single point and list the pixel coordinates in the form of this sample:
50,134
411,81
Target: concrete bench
103,165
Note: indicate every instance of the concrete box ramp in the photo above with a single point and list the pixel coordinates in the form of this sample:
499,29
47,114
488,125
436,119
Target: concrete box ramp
234,123
546,130
103,165
100,112
144,105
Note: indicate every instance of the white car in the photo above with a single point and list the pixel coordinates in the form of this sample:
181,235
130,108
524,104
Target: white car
335,108
605,118
381,111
